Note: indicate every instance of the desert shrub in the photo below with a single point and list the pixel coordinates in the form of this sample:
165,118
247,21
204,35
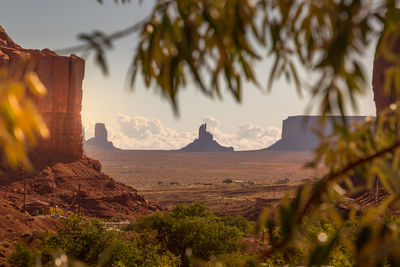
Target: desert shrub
227,260
116,219
90,242
22,256
82,239
227,181
57,211
237,221
196,209
192,227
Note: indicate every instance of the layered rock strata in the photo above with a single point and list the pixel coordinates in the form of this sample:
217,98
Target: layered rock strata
63,175
205,143
61,106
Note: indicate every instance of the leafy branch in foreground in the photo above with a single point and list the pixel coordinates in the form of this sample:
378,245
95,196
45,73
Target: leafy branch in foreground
361,156
217,43
20,122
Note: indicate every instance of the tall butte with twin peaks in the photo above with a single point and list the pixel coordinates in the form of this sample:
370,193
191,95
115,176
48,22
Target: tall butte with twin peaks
63,175
205,143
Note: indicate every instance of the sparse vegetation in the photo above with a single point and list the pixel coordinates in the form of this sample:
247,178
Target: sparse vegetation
327,38
57,211
90,242
237,221
116,219
187,233
23,256
192,227
227,181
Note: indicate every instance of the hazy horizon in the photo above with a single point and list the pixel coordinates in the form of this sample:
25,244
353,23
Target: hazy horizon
143,120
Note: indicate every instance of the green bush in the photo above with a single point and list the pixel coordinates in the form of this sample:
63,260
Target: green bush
90,242
227,181
116,219
196,209
191,227
81,239
188,235
22,256
237,221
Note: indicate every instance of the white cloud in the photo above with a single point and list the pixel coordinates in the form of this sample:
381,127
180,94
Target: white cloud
89,129
149,133
247,137
211,122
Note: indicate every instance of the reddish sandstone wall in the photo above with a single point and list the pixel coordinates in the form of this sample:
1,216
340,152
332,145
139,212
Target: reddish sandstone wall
61,107
384,99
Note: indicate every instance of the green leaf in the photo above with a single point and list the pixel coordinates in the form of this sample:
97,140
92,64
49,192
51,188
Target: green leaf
321,253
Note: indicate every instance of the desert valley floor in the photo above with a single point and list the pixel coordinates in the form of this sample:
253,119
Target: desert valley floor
170,177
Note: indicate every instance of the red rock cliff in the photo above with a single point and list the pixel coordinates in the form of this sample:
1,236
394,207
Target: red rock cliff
381,64
61,107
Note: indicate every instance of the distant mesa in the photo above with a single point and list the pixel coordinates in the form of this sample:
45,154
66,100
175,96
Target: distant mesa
298,132
205,143
100,139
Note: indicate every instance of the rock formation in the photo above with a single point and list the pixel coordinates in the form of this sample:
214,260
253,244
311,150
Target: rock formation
100,139
298,132
205,143
78,184
61,106
63,175
381,64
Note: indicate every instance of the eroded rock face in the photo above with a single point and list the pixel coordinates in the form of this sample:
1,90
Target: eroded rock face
205,143
384,99
61,106
100,139
298,132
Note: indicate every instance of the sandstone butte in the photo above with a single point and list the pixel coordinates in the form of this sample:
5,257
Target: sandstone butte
61,106
100,139
63,175
292,126
205,143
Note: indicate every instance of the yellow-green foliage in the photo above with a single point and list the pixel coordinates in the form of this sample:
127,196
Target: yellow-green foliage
191,228
20,123
89,242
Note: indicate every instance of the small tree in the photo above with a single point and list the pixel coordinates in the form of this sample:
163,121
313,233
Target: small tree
193,227
227,181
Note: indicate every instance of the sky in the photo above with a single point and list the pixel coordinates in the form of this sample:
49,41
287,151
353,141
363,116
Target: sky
142,119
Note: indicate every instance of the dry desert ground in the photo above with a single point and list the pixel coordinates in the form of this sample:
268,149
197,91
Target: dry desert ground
198,176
